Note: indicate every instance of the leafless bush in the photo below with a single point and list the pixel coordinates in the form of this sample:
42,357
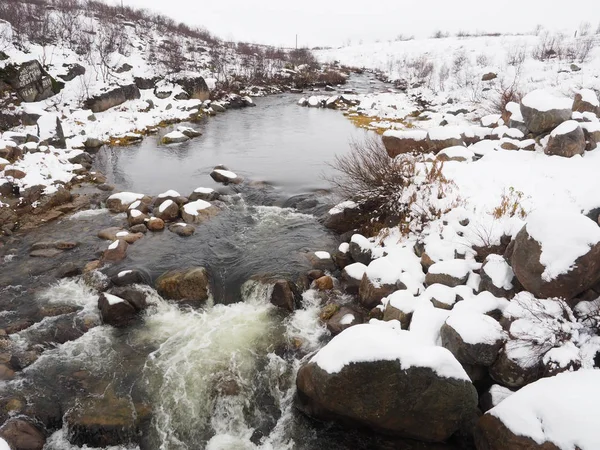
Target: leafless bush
504,94
439,34
583,47
585,28
549,46
482,60
404,38
516,56
421,67
443,75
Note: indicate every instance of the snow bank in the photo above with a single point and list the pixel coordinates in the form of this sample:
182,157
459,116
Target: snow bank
385,341
564,236
499,271
563,410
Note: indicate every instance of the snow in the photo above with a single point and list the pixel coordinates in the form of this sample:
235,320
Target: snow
341,207
164,205
347,319
361,241
203,190
427,322
124,272
499,393
490,119
415,135
442,293
562,410
385,341
457,152
314,101
226,173
589,96
499,271
444,133
565,128
475,328
135,213
323,255
563,236
384,271
3,444
344,248
563,356
126,198
169,193
483,302
356,271
114,245
403,301
113,299
542,100
457,268
175,136
192,208
122,234
515,111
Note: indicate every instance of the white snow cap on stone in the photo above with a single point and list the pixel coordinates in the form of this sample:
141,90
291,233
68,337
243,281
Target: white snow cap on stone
443,133
589,96
135,213
542,100
192,208
226,173
169,193
3,444
164,205
385,341
457,151
563,410
344,247
203,190
341,207
126,198
323,255
458,268
113,299
415,135
177,135
563,236
475,328
565,128
114,245
356,270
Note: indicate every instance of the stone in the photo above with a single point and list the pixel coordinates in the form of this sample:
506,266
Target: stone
120,202
134,295
508,372
370,293
182,229
127,277
136,217
73,71
586,100
344,318
222,175
21,434
155,224
324,283
539,117
195,87
285,295
525,262
112,98
206,194
449,273
489,76
15,173
483,353
187,286
198,212
117,251
168,211
566,140
84,159
116,311
410,402
402,142
30,81
321,261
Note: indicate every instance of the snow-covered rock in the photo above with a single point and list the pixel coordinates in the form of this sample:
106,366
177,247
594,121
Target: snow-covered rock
586,100
198,211
543,112
384,378
557,254
450,273
222,175
405,141
119,202
561,412
497,277
174,137
566,140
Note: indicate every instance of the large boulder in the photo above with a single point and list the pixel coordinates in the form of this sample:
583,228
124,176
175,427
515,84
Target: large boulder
342,217
566,140
379,377
30,81
116,311
554,413
557,254
543,112
439,138
112,98
400,142
21,434
381,278
586,100
345,318
120,202
450,273
195,87
285,295
168,211
188,286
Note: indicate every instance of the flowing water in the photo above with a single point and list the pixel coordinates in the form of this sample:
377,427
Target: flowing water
221,377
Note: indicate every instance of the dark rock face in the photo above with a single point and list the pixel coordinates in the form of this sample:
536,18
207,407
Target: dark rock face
525,261
21,434
188,286
116,311
371,294
512,374
492,434
480,354
195,87
543,121
285,295
396,145
413,403
73,71
344,318
343,221
112,98
30,81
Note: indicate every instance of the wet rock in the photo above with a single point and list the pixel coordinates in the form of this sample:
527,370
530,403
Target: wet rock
127,277
188,286
328,311
343,218
22,434
6,372
352,276
69,270
95,279
136,217
321,261
45,253
182,229
105,421
117,251
344,318
139,229
566,140
120,202
174,137
315,274
198,212
206,194
116,311
134,295
155,224
168,211
324,283
285,295
112,98
222,175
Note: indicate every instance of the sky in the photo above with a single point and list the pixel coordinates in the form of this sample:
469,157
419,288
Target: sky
339,22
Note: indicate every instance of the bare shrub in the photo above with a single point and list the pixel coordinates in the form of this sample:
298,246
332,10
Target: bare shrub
583,47
482,60
443,75
402,192
516,56
585,28
439,34
549,46
404,38
505,93
510,205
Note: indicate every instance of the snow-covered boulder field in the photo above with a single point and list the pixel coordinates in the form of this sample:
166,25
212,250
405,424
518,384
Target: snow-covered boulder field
381,377
560,412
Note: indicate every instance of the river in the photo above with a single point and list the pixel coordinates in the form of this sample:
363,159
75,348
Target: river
221,377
